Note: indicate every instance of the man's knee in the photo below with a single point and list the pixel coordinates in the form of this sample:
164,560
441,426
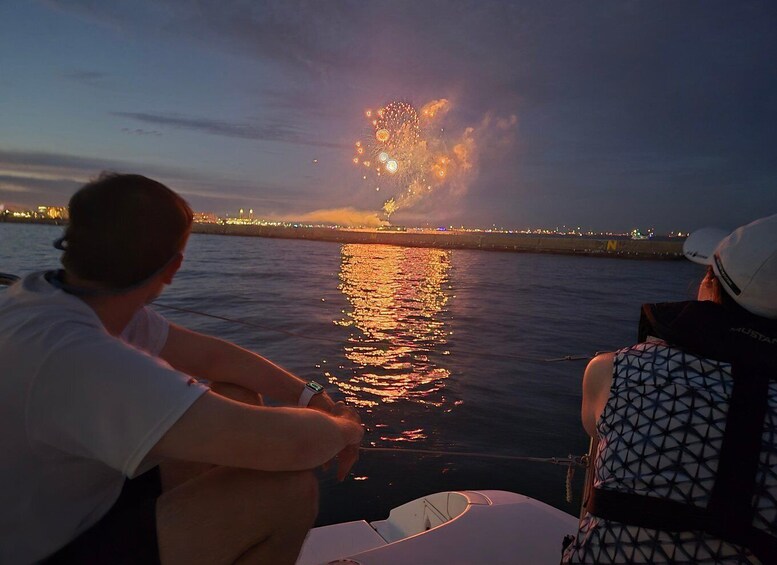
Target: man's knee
291,497
299,489
269,513
290,489
249,495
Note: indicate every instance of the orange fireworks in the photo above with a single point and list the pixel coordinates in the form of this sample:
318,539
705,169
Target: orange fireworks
406,152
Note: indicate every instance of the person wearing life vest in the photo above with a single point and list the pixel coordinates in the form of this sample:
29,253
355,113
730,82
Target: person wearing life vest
685,470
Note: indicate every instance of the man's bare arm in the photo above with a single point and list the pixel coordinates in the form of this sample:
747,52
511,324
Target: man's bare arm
223,432
217,360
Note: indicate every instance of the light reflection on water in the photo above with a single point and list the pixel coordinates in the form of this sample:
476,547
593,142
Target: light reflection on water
399,324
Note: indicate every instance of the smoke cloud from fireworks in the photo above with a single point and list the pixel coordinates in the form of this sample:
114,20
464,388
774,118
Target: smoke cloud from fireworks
337,216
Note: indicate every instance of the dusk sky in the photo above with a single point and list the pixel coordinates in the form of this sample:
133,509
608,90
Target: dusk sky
600,114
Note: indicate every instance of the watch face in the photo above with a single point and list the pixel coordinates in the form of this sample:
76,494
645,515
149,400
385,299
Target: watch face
315,387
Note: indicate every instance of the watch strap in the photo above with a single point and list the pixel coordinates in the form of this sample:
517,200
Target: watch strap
311,389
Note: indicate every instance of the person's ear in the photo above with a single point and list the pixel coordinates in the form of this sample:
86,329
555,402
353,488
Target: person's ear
709,288
172,269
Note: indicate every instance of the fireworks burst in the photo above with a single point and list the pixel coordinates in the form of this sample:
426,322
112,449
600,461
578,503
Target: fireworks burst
406,153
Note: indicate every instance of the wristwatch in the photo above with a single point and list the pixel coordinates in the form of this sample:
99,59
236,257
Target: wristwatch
311,389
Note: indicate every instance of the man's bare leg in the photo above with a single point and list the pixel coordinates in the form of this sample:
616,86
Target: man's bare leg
237,516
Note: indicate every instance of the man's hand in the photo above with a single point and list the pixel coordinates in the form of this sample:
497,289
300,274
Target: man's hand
350,455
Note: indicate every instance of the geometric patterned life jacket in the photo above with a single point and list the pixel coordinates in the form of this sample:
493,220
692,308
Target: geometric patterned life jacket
660,436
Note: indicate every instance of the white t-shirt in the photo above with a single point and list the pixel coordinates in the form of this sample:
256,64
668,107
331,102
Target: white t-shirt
79,412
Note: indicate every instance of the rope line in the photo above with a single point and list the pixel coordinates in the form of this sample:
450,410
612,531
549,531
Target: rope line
570,460
535,359
245,323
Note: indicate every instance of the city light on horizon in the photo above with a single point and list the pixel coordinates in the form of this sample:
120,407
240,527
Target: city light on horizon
59,214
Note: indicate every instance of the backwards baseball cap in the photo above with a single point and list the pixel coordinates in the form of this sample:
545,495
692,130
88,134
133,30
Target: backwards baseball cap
745,262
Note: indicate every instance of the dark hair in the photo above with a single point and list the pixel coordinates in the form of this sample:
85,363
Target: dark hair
123,228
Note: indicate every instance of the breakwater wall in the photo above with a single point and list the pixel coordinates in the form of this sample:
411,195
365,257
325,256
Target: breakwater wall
47,221
527,243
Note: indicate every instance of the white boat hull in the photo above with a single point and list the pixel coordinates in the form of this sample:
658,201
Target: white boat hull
465,527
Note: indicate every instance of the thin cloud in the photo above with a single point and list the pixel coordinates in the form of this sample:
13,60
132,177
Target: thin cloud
50,178
11,186
348,36
94,79
299,101
141,131
73,167
35,190
261,132
55,177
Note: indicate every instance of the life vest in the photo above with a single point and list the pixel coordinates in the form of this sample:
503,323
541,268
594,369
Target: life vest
749,344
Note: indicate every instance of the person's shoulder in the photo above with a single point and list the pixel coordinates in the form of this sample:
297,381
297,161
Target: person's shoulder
33,303
601,363
598,374
597,380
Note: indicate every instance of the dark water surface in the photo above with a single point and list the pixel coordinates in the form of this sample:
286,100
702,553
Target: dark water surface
439,349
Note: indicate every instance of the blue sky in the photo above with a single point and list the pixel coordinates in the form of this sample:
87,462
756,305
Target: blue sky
606,115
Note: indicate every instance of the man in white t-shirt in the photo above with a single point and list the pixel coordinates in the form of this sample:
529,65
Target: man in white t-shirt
96,390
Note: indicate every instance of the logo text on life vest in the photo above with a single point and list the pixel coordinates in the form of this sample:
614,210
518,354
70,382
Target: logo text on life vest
750,332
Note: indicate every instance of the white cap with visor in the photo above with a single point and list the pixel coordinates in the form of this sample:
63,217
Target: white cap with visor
745,262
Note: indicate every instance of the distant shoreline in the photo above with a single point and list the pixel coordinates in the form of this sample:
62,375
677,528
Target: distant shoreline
615,246
593,246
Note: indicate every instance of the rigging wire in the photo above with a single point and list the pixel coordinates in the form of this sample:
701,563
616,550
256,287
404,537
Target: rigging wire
571,462
244,323
576,460
580,357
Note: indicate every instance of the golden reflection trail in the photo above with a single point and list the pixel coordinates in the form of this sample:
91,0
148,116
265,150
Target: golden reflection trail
398,318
